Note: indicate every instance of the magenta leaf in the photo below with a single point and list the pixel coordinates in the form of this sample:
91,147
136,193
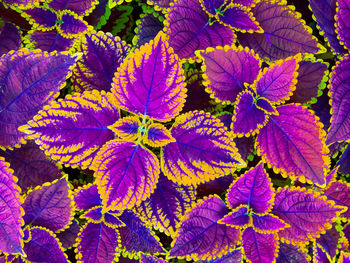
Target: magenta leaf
31,166
258,247
238,218
254,189
339,192
267,224
277,82
340,101
200,236
80,7
49,206
342,22
236,256
137,237
227,69
289,253
10,38
203,150
11,212
102,55
285,33
166,206
28,80
21,3
150,81
307,213
247,118
188,28
69,235
72,130
126,174
87,197
324,12
312,75
151,259
97,243
49,41
293,143
44,247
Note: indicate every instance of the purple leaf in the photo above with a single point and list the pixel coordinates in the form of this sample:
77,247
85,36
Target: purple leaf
166,206
344,161
112,220
21,3
212,7
188,28
127,128
126,174
329,242
148,28
267,224
80,7
136,236
93,215
254,189
49,206
236,256
344,257
97,243
239,17
200,236
247,118
87,197
324,12
319,255
238,218
28,81
245,146
227,69
202,152
160,5
277,82
259,248
44,247
72,130
10,38
307,213
293,143
322,110
69,235
312,75
339,192
11,212
31,166
49,41
151,259
265,105
340,101
150,81
157,135
285,33
102,55
342,22
40,18
71,26
289,253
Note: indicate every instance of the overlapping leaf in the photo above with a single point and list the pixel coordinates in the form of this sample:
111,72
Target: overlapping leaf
285,33
31,166
289,253
44,247
238,218
10,38
339,192
97,243
11,212
340,101
40,18
72,130
188,28
227,69
342,22
254,189
236,256
166,206
87,197
126,174
49,206
150,259
293,143
102,55
147,29
203,150
151,82
329,242
307,213
137,237
344,161
69,235
71,26
80,7
28,80
200,236
127,128
157,135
